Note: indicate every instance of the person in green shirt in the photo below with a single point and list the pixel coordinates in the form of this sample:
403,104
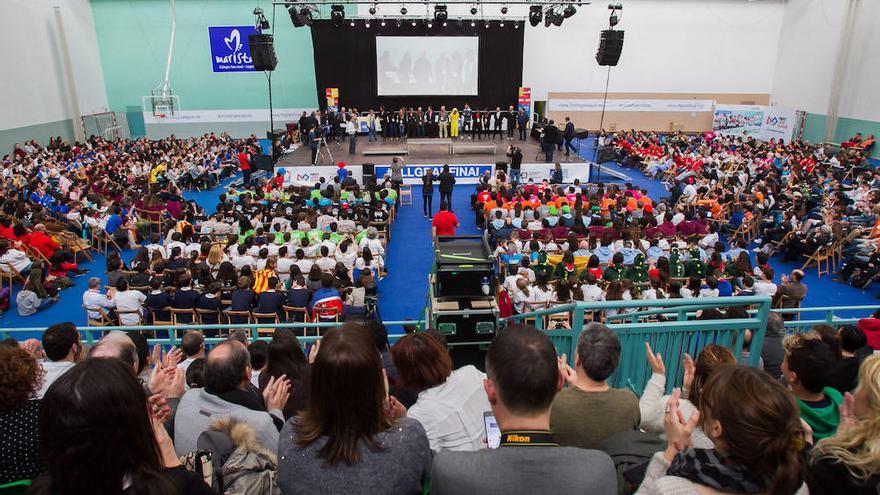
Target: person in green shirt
542,266
807,367
676,267
695,267
615,268
638,271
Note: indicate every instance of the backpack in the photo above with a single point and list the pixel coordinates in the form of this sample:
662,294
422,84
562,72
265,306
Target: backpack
631,452
240,465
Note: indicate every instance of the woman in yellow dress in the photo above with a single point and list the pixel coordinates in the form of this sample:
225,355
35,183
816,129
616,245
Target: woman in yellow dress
453,123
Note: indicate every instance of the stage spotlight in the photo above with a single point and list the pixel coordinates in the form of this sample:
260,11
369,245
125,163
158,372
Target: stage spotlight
501,24
613,20
403,11
474,10
414,23
337,14
440,13
515,24
445,24
553,17
352,23
569,11
262,22
504,9
430,24
373,10
382,23
306,14
535,14
487,24
473,24
367,23
460,23
399,23
615,6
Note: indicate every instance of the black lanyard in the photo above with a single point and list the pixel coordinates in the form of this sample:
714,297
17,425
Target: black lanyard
528,438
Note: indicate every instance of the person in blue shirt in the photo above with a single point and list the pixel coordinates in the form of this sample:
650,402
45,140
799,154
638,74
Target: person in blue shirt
242,299
185,297
270,301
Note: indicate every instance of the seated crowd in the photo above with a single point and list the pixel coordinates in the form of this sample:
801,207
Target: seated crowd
351,413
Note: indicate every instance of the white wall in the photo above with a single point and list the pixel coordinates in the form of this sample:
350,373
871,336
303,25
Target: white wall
32,88
861,98
708,46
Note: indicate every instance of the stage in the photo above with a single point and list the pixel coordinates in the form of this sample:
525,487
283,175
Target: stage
468,159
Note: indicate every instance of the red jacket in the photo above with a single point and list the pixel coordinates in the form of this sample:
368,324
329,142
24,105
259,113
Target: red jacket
42,243
871,328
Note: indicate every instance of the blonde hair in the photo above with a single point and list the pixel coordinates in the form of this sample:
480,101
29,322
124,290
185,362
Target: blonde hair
215,255
858,447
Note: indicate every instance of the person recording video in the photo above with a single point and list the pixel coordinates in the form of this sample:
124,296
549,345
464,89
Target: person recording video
516,156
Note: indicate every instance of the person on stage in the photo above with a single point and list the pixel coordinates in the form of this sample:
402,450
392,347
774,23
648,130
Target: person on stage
447,184
401,123
420,123
383,122
430,122
411,123
479,117
522,122
467,121
428,192
569,135
453,123
444,122
303,127
371,126
341,124
549,135
510,117
498,116
351,129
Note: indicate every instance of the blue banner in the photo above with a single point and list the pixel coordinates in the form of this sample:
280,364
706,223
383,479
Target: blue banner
229,48
464,174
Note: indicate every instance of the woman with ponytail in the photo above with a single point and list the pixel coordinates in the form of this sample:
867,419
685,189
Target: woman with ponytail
753,423
849,462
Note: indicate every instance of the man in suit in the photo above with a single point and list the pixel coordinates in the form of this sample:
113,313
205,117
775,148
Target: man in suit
793,290
523,376
548,140
510,117
430,122
467,120
314,142
497,115
447,184
522,122
569,135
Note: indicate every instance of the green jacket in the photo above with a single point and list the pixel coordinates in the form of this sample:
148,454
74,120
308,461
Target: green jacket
823,420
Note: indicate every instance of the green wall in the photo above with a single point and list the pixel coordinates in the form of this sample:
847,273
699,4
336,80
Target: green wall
814,129
133,42
40,132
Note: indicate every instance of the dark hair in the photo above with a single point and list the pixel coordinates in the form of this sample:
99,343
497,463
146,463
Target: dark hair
598,350
195,373
285,356
830,337
760,424
851,338
521,362
708,360
226,372
58,339
258,351
347,395
141,348
20,377
98,410
421,361
810,358
191,342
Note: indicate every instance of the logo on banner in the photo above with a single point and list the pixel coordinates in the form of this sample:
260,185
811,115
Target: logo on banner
229,49
463,172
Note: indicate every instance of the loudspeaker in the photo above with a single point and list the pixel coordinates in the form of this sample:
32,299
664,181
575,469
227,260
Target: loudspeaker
263,162
369,180
610,46
262,51
276,134
606,154
501,166
369,169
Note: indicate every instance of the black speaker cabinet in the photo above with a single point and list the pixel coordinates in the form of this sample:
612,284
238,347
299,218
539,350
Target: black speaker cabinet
606,154
610,46
262,51
369,168
502,166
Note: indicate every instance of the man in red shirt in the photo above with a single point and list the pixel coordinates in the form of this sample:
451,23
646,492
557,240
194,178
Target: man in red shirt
444,222
244,163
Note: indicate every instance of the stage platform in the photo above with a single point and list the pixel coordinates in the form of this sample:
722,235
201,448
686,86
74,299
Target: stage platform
381,152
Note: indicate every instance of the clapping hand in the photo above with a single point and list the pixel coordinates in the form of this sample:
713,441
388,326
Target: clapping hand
690,370
277,392
848,417
655,360
567,372
313,352
678,431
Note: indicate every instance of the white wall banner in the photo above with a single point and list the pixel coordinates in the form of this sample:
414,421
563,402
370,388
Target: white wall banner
463,173
570,172
779,123
310,175
630,105
739,120
282,116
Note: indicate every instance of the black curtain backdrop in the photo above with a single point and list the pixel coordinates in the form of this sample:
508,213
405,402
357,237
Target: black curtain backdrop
345,58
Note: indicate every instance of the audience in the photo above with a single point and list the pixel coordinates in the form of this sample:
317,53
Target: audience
523,377
588,394
20,408
807,368
63,348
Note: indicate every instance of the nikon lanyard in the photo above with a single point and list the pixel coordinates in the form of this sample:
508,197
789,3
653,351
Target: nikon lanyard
528,438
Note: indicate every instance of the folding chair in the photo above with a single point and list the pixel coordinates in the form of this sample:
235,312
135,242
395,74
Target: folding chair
405,194
821,258
265,318
8,272
103,319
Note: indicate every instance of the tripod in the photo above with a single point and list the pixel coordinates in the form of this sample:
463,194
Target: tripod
319,156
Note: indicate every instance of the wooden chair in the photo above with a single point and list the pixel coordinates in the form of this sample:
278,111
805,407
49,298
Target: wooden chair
564,318
821,258
74,244
103,319
324,314
295,314
208,316
102,240
162,316
8,272
786,302
137,313
528,307
234,317
265,318
405,194
180,316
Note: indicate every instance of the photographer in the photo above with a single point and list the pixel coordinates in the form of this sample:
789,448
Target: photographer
515,155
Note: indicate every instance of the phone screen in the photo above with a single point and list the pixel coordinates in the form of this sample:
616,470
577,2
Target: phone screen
493,433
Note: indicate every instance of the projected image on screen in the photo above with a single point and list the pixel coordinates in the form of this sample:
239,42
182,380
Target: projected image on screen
427,65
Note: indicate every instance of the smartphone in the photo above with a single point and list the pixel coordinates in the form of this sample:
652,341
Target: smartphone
493,433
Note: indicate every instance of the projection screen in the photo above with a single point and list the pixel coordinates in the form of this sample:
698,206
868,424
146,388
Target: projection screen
427,65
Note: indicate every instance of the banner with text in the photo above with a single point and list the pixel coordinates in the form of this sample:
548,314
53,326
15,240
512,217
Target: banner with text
525,99
202,116
629,105
309,175
332,95
412,174
779,123
570,172
739,120
229,48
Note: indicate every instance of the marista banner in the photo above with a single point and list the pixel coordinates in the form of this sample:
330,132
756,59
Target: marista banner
464,174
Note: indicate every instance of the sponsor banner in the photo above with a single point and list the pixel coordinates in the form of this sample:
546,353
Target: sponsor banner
310,175
570,171
412,174
779,123
739,120
630,105
229,48
202,116
332,95
525,99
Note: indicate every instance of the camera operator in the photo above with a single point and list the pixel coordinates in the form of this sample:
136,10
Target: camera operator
515,155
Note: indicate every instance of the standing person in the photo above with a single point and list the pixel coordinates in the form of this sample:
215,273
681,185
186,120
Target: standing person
453,123
447,184
444,223
522,379
371,127
568,134
444,122
244,163
515,155
479,117
397,175
314,142
510,117
430,122
303,126
428,192
420,123
467,121
498,115
351,129
522,122
548,140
